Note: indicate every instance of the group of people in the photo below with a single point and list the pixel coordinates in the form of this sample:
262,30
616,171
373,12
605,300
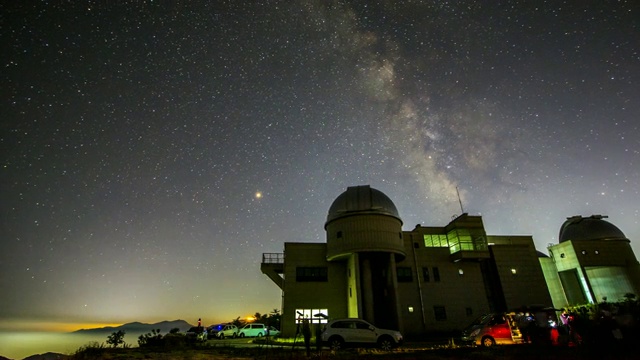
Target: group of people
540,326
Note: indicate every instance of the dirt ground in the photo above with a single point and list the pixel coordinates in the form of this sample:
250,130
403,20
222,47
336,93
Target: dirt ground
511,352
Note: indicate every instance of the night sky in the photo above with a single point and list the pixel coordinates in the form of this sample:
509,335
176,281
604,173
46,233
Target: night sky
153,150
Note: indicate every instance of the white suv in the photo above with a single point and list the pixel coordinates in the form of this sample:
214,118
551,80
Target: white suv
357,332
253,330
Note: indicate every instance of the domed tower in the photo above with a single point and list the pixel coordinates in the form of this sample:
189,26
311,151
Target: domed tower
364,230
595,261
578,228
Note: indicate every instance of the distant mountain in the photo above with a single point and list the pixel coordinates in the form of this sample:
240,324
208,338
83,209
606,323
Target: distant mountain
47,356
138,327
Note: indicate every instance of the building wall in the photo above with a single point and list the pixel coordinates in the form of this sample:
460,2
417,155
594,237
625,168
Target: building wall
353,276
331,294
519,271
461,295
554,285
603,268
507,274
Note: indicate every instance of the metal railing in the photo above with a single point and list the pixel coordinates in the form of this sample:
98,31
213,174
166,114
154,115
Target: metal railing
273,258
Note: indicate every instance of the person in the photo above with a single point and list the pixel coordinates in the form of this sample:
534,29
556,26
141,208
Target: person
306,333
318,337
199,322
524,323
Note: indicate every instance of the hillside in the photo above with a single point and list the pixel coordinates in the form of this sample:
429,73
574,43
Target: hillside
138,327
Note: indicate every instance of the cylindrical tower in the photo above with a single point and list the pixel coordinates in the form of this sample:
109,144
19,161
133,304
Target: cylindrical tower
364,229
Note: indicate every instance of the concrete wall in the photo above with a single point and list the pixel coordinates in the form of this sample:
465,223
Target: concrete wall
331,295
462,295
519,272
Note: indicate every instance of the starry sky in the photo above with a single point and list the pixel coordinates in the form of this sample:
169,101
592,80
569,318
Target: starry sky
152,151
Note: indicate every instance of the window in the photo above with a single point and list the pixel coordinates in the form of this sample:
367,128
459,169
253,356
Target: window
469,311
425,274
339,234
311,274
460,272
436,274
435,240
466,240
315,316
440,313
404,274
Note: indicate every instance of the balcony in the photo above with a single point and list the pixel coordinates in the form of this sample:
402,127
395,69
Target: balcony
273,266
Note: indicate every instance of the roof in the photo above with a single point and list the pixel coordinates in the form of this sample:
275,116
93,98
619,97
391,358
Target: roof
578,228
362,200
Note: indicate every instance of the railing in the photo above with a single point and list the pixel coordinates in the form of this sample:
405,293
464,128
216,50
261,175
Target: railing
273,258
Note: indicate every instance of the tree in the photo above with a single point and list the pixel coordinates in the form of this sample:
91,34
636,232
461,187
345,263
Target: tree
116,338
150,339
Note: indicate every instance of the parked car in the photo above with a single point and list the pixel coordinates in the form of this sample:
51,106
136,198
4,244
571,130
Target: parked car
212,331
357,332
492,329
273,331
196,333
222,331
252,330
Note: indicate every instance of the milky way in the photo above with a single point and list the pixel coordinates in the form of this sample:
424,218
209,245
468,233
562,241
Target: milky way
136,137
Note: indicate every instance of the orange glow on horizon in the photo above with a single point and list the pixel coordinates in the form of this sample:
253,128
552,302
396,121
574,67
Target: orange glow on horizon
50,326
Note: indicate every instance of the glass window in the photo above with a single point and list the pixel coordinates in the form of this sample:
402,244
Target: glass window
440,313
437,240
465,240
311,274
315,316
425,274
469,311
436,274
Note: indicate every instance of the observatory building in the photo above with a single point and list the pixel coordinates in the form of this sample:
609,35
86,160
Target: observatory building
440,278
593,262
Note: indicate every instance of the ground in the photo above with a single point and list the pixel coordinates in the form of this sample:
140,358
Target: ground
411,351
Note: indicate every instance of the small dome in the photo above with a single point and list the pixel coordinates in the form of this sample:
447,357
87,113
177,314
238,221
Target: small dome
578,228
362,200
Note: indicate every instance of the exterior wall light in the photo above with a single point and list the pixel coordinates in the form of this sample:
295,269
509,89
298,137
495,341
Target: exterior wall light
514,271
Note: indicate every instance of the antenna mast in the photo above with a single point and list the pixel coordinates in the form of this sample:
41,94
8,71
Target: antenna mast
459,200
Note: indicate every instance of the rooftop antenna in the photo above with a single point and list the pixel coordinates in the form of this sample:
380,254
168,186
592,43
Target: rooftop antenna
459,200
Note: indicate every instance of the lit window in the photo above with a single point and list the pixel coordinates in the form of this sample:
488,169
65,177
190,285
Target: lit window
514,271
315,316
